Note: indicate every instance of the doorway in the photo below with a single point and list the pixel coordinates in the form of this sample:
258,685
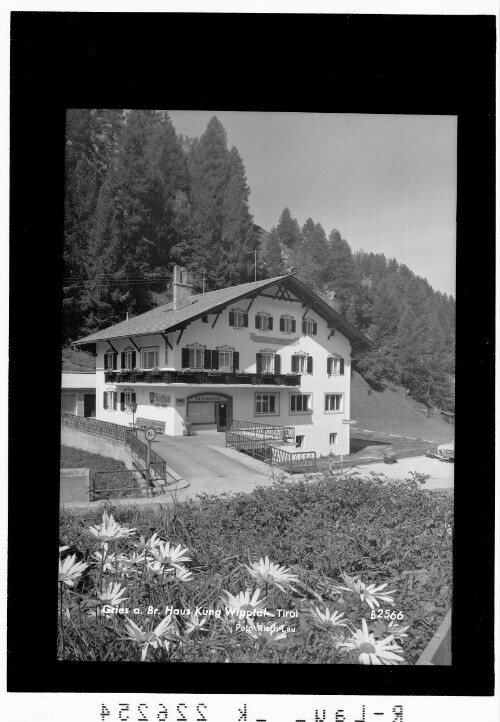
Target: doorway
89,405
222,416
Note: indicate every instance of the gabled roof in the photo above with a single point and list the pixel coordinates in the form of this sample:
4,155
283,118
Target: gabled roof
164,319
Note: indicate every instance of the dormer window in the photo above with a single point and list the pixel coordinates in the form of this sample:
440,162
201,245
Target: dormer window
264,321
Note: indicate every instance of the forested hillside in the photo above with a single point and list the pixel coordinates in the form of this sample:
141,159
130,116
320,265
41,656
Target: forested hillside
140,198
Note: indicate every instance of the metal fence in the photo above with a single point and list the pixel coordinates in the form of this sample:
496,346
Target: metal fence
158,466
264,432
291,461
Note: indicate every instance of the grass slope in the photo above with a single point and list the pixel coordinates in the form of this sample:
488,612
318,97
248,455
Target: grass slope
73,360
391,412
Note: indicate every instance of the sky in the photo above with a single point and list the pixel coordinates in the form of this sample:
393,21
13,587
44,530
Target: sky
386,182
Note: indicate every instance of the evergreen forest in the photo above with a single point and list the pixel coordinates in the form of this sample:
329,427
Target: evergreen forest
141,198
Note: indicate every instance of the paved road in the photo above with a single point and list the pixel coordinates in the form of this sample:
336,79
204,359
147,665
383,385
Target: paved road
210,468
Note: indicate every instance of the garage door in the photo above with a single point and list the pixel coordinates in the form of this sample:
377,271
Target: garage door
68,404
201,412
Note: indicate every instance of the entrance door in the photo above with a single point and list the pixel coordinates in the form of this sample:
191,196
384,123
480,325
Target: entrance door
89,405
222,417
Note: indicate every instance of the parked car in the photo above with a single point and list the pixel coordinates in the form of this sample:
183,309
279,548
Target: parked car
447,451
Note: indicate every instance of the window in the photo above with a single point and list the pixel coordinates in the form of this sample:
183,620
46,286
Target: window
300,403
334,402
225,361
287,324
266,404
238,319
127,398
264,322
196,358
299,441
267,363
333,438
110,360
309,326
149,358
302,364
109,400
129,359
335,365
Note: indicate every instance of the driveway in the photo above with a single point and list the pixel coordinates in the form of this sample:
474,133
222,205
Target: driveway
209,467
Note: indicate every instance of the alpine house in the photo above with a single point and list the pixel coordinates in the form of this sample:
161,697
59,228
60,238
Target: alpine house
269,353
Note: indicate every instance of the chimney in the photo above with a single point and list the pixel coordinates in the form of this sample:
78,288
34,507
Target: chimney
182,289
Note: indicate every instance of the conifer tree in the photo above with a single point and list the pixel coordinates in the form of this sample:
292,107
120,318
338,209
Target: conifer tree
238,235
288,230
272,258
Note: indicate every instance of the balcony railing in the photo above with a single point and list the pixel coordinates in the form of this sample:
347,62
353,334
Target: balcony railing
201,377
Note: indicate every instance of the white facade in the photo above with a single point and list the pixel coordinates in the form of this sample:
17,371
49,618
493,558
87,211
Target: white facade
317,419
78,393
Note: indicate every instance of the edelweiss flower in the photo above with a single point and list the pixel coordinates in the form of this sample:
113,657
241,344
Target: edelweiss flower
113,595
153,639
70,570
369,593
242,604
196,623
266,572
109,530
373,651
167,555
61,549
329,618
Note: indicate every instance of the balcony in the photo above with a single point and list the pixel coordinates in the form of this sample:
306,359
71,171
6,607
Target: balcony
204,378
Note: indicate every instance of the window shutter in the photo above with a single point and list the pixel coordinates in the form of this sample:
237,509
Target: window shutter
115,361
105,400
236,361
277,363
134,360
282,324
342,366
185,358
329,362
114,399
123,360
304,326
207,359
259,363
122,402
215,359
270,323
245,320
294,326
257,321
105,361
309,364
295,364
315,328
231,318
133,398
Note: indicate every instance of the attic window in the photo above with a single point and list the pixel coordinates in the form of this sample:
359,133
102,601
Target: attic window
309,327
264,321
238,318
287,324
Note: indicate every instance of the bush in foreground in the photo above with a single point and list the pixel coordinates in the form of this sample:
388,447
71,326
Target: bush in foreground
340,570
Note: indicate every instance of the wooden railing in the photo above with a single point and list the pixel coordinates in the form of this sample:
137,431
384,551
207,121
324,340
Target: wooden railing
201,377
